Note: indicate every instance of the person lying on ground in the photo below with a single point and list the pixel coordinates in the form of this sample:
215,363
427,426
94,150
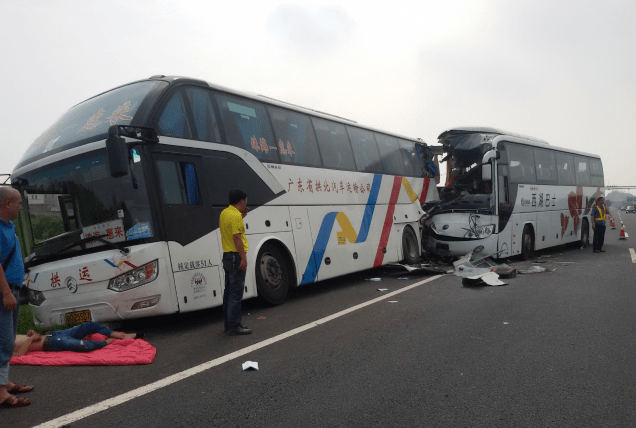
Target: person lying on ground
71,339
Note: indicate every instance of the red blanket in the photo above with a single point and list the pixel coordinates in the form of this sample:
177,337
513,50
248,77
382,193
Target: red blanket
124,352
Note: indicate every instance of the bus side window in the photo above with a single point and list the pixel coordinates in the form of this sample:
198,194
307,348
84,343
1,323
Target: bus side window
173,121
179,183
565,168
390,154
521,162
295,137
334,145
409,156
582,171
596,171
246,125
545,166
365,150
205,123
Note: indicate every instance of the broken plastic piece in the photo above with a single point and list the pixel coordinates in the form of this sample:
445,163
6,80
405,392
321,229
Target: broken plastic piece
383,289
533,269
250,365
373,279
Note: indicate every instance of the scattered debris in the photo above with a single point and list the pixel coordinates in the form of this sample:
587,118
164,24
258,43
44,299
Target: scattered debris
373,279
539,261
250,365
506,323
392,301
383,289
403,277
261,318
532,269
489,278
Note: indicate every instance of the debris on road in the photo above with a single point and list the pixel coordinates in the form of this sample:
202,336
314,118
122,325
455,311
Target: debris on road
373,279
532,269
383,289
250,365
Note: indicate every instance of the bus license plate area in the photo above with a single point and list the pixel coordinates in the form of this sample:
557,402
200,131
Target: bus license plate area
78,317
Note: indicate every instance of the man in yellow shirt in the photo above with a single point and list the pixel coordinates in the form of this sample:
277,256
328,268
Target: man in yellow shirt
234,260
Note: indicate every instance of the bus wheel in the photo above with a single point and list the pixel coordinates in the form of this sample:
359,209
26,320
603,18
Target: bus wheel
409,246
527,243
272,275
585,234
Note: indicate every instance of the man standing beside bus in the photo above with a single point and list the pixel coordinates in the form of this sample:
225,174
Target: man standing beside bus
11,276
599,214
234,260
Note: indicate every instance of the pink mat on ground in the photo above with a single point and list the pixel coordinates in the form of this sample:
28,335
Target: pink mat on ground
124,352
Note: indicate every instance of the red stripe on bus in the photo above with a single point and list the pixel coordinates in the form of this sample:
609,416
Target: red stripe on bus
388,221
427,182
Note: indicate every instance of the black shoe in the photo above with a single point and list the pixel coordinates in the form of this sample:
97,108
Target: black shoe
597,251
240,330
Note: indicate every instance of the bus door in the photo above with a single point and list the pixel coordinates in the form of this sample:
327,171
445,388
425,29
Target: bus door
188,229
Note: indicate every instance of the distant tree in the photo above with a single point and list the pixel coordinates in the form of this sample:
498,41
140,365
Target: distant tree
45,227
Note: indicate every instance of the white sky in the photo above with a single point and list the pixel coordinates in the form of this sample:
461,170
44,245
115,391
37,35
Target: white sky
563,71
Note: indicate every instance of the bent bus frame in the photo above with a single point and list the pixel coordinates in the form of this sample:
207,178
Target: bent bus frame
129,228
507,194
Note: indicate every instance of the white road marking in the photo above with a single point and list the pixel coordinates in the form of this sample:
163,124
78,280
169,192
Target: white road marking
135,393
633,253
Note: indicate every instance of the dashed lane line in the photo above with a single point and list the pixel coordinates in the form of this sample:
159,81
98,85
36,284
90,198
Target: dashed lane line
633,253
135,393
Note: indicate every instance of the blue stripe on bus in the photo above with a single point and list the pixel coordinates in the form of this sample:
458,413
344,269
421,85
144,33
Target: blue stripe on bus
368,211
315,260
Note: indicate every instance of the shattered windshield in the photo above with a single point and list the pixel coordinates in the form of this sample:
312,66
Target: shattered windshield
77,198
464,188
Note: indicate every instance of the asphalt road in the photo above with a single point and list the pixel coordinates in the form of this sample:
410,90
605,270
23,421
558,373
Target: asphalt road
550,349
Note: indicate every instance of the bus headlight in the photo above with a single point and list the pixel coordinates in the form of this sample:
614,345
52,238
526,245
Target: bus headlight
135,278
36,298
481,232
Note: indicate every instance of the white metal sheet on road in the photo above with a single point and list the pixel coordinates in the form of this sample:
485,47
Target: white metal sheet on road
112,402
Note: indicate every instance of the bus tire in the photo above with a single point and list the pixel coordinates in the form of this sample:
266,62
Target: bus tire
272,275
527,242
409,246
585,234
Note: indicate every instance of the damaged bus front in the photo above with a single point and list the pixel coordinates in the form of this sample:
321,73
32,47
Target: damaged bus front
507,194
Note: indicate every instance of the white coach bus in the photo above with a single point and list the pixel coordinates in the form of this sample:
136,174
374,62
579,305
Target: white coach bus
508,194
123,195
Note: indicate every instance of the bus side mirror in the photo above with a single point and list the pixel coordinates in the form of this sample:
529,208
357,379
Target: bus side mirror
117,153
486,172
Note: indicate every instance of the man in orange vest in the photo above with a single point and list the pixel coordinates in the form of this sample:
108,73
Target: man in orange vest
599,214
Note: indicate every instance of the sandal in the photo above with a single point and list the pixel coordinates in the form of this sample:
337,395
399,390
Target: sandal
14,401
18,387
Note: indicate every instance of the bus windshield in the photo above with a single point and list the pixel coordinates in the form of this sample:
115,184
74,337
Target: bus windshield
465,190
77,198
90,120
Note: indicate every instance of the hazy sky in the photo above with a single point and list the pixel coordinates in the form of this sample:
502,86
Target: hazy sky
563,71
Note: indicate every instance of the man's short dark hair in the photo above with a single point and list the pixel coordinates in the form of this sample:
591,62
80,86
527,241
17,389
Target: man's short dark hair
236,196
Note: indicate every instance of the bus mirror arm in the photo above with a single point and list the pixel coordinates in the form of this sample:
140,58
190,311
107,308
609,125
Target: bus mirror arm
116,147
486,164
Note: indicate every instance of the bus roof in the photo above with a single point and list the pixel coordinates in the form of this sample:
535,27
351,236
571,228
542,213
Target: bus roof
518,138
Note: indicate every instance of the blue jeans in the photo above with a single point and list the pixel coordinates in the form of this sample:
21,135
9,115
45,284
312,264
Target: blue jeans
71,339
233,293
8,330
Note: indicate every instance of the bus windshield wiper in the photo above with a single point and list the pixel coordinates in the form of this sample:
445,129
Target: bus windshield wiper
84,241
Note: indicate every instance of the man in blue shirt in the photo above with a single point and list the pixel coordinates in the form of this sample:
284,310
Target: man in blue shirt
11,276
599,215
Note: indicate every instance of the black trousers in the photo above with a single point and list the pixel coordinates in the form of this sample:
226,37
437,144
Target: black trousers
599,236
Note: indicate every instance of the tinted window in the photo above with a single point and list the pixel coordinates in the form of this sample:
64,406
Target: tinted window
545,166
565,168
296,138
410,158
582,171
203,112
247,126
179,184
596,172
173,121
333,141
521,163
390,154
365,150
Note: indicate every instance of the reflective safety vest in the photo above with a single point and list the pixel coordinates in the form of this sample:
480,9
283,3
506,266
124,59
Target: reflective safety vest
601,214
